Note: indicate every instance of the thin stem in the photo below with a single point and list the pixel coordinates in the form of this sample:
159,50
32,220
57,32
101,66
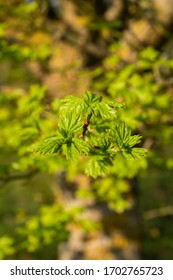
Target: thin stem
86,124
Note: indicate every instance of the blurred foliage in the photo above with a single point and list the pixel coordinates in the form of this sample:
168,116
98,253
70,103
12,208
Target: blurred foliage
149,100
34,218
16,44
148,95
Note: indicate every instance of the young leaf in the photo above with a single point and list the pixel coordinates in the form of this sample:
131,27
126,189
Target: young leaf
71,102
134,153
69,124
105,111
121,135
98,167
49,145
90,103
75,148
89,98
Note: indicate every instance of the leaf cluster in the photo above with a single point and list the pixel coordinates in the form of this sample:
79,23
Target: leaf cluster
88,129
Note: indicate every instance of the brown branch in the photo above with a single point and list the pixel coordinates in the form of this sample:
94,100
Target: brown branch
86,124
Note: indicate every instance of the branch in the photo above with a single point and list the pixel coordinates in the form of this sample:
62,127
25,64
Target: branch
160,212
16,177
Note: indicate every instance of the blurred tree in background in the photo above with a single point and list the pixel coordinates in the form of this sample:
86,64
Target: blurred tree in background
122,50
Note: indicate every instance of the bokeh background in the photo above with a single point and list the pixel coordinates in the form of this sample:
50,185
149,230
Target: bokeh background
123,49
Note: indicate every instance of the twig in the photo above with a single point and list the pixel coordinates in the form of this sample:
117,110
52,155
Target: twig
86,124
160,212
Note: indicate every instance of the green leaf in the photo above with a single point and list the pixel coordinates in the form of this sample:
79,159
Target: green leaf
105,111
98,167
149,54
96,105
51,145
81,145
100,143
91,98
134,153
6,247
121,135
71,102
90,103
115,104
75,148
69,124
133,140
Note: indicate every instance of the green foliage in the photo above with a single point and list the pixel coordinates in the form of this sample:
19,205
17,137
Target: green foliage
99,134
6,247
40,233
61,142
112,192
144,89
49,227
78,134
12,47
